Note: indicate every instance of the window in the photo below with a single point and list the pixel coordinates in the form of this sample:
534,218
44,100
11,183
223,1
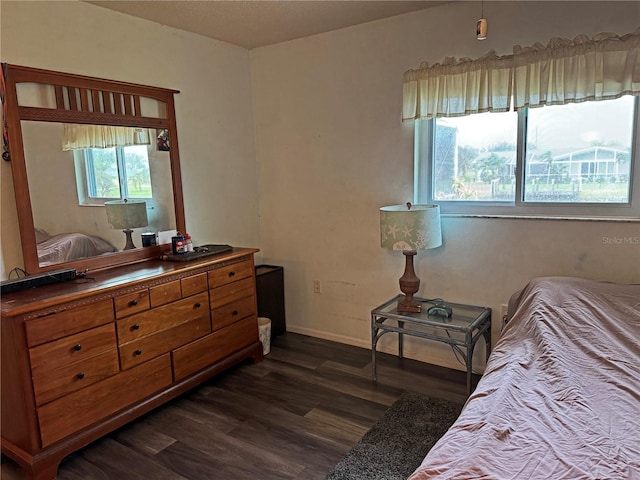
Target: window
568,151
573,159
113,173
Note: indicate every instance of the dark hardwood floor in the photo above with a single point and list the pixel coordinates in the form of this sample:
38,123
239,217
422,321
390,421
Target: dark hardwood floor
293,416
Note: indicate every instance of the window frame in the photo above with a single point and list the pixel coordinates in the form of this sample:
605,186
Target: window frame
85,176
424,138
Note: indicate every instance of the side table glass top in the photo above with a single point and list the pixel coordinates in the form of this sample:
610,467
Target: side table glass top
462,329
463,317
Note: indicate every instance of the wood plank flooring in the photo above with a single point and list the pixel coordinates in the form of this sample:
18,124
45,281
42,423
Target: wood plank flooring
293,416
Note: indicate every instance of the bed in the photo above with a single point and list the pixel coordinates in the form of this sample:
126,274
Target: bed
560,396
65,247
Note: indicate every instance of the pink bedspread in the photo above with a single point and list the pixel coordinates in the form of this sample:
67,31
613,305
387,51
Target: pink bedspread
560,397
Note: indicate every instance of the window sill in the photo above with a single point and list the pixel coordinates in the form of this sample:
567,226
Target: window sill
544,217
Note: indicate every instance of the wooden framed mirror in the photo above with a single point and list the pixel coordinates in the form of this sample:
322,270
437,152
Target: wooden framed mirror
62,184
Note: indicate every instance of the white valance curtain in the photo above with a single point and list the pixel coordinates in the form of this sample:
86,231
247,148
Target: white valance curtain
604,67
77,137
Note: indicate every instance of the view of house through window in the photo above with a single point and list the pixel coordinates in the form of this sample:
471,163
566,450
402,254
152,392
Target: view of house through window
117,172
580,152
575,153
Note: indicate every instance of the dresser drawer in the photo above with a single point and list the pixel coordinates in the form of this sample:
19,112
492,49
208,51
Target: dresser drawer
230,273
231,292
131,303
161,318
164,341
68,322
72,349
166,293
57,383
232,312
80,409
195,284
214,347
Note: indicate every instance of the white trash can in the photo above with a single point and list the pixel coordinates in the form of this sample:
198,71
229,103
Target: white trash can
264,332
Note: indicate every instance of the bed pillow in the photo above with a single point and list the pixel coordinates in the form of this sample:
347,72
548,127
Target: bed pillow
41,235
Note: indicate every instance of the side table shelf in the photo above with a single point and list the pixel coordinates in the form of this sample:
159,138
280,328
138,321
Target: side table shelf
461,330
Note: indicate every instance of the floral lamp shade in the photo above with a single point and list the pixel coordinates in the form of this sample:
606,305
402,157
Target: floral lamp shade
126,215
410,227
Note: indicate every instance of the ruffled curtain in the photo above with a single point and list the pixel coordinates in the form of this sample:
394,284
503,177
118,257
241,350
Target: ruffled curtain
456,88
565,71
77,137
568,71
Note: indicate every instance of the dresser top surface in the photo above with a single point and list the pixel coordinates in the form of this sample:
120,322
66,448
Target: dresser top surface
110,280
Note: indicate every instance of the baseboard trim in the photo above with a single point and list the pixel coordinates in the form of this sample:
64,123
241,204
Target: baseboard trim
356,342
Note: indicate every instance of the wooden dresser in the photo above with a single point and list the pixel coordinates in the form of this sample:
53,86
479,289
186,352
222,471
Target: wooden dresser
82,358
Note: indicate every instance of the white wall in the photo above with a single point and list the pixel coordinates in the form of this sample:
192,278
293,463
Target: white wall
214,110
331,150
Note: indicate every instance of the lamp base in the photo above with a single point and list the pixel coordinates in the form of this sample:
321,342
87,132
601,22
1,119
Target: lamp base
129,245
409,284
408,305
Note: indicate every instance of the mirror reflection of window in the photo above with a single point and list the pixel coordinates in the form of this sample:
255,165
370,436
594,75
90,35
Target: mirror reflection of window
114,173
111,162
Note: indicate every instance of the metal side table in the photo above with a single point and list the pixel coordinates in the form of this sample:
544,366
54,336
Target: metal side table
461,330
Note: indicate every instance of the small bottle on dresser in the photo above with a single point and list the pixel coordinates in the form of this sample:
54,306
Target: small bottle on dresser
179,244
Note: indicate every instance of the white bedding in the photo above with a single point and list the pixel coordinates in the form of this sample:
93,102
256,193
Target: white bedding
65,247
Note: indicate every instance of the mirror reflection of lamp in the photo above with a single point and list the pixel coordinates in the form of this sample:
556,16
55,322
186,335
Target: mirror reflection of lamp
410,228
127,215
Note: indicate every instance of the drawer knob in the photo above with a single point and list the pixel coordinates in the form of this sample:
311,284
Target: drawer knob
135,326
231,274
77,347
133,303
137,353
80,375
234,313
197,305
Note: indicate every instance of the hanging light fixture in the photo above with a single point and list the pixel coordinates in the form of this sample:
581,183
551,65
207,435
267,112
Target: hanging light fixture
481,26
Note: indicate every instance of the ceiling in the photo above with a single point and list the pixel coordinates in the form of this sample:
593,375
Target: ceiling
252,24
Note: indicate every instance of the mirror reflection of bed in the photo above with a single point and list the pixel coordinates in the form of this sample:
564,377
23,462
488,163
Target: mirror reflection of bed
65,247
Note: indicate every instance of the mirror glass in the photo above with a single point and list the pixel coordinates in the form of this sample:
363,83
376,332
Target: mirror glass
68,189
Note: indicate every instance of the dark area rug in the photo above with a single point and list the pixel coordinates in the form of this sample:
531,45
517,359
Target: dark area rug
397,443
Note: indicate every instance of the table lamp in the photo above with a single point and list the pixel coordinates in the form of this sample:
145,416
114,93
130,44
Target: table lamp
127,215
410,228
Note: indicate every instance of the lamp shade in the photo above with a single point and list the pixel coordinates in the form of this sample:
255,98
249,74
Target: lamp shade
410,227
125,214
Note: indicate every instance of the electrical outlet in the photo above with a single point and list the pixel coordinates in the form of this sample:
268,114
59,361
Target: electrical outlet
317,286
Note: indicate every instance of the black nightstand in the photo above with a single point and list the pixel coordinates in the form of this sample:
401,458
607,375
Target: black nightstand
270,296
